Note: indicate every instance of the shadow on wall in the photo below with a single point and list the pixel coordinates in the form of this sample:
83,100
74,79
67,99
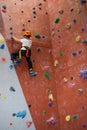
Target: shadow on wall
2,30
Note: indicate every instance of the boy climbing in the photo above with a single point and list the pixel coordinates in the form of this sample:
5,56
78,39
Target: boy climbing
25,51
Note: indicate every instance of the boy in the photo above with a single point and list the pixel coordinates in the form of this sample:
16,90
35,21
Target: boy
25,51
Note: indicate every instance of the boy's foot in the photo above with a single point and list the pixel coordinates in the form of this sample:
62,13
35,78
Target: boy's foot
32,74
16,62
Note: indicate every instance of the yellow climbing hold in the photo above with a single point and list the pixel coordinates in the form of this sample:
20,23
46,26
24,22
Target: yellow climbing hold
51,97
67,118
78,11
68,26
3,98
78,38
53,33
55,63
65,79
1,40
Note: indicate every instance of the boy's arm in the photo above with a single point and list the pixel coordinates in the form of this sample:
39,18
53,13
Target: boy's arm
16,39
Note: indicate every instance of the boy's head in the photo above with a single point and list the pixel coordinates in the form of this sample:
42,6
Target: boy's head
27,34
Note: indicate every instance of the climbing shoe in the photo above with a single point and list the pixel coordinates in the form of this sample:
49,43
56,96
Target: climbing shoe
32,74
16,62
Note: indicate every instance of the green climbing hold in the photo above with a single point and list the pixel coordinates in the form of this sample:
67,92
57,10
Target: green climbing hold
61,53
48,91
47,75
57,20
37,36
34,12
74,117
44,112
80,90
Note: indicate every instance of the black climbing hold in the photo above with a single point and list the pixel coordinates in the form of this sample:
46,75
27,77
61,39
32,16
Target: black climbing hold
12,89
13,114
38,49
29,105
71,10
83,2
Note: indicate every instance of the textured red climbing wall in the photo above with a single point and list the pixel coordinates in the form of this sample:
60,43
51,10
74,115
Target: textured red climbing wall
62,28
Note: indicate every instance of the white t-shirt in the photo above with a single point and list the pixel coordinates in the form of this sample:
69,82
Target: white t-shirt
25,42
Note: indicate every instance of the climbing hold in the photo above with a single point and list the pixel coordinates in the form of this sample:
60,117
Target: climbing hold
51,97
39,4
44,112
4,10
67,118
84,125
57,20
83,29
47,67
51,121
83,74
78,11
47,75
28,123
11,67
13,114
55,63
78,38
4,7
4,98
80,90
34,12
53,33
83,2
2,46
38,49
74,20
21,114
74,116
3,59
37,36
80,51
1,40
10,123
48,91
50,104
61,53
29,105
65,79
74,54
71,9
61,11
68,26
12,89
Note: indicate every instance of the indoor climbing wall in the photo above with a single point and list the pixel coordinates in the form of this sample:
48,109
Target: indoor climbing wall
13,107
68,25
56,97
39,91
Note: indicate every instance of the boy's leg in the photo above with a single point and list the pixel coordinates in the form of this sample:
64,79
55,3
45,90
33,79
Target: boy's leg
14,56
31,72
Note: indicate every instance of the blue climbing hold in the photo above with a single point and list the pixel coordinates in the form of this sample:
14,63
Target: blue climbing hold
21,114
2,46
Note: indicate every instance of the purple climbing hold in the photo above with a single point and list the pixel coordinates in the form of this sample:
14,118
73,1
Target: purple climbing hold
83,74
